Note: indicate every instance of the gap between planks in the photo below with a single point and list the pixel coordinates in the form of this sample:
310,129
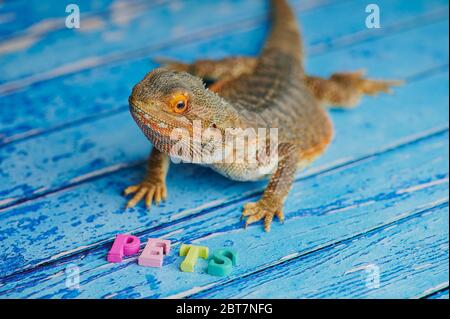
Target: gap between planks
193,213
121,166
94,62
409,211
436,294
38,132
398,27
248,23
202,290
57,23
412,77
315,50
88,177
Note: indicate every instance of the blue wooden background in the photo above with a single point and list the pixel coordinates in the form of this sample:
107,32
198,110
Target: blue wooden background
68,146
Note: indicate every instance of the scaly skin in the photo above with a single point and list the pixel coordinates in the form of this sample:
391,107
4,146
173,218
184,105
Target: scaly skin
271,91
341,90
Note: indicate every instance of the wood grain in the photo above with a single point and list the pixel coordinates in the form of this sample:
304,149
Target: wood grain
46,163
34,17
321,211
68,147
50,112
415,247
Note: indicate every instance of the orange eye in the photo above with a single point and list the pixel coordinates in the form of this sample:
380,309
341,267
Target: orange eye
179,103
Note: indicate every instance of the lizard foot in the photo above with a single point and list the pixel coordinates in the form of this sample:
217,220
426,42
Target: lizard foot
262,209
357,82
151,190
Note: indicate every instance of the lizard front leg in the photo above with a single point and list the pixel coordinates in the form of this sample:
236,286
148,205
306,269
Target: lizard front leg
272,201
153,186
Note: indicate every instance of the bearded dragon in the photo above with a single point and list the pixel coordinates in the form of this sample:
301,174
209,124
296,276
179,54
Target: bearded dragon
269,91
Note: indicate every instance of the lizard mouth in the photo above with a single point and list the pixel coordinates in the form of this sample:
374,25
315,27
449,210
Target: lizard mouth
158,122
159,127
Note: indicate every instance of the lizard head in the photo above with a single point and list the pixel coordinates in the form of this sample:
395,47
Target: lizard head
166,100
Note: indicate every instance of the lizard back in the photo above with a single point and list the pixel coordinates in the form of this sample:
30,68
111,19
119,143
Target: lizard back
275,94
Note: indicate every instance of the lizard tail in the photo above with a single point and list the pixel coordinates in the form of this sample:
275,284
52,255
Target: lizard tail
285,34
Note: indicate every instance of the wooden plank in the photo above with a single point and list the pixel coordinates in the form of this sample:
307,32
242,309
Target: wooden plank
407,111
105,35
21,70
46,163
414,178
41,17
406,257
91,219
105,90
443,294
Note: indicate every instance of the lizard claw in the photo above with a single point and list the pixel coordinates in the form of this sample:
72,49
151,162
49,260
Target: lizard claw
151,191
259,210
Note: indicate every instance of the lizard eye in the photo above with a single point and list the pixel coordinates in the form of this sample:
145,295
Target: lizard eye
179,103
